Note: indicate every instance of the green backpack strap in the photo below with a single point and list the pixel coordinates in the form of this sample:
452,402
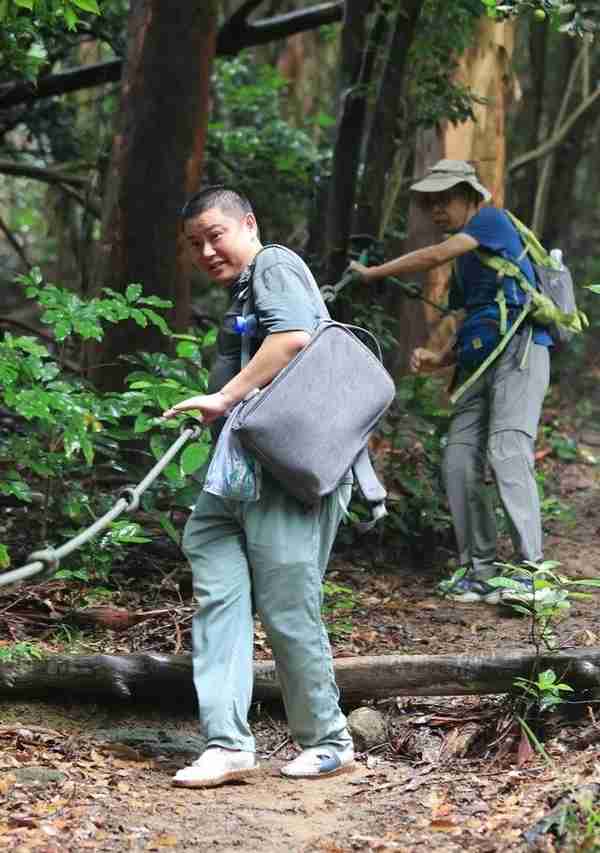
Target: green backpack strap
504,342
543,310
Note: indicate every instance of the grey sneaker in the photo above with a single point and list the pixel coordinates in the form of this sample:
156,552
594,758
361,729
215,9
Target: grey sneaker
524,592
462,586
215,767
471,590
319,761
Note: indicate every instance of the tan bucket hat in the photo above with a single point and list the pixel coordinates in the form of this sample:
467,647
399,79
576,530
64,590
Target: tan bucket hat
446,174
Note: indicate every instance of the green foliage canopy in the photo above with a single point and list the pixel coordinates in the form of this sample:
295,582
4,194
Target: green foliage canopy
26,25
576,19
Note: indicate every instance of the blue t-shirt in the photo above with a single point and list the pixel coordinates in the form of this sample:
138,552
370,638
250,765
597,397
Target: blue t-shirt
495,233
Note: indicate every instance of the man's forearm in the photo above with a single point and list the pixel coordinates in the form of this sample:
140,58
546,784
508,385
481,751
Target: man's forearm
420,260
276,351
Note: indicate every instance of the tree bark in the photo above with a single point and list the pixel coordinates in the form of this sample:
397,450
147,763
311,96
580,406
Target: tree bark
356,71
156,163
168,678
382,140
484,70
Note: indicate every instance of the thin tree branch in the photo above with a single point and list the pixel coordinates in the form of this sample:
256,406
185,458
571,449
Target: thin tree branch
537,222
235,35
14,243
67,183
557,138
48,176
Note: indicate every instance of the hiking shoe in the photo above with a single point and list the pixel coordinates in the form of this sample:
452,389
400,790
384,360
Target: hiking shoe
524,592
445,586
319,761
215,767
471,590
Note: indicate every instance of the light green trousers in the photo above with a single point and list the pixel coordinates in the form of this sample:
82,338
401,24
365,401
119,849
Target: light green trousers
497,420
269,555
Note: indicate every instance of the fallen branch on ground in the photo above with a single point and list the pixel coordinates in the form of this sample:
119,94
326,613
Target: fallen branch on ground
168,678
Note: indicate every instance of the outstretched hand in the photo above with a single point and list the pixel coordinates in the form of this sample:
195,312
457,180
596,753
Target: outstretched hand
422,359
360,270
210,406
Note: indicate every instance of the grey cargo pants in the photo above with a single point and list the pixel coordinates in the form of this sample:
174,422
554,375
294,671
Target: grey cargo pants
270,554
497,419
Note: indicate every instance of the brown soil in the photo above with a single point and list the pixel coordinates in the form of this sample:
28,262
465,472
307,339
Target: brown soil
416,792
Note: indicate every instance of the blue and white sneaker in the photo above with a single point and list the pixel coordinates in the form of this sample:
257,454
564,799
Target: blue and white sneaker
524,592
471,590
320,761
463,587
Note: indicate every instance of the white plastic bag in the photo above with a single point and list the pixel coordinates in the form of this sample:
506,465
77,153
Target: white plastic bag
233,471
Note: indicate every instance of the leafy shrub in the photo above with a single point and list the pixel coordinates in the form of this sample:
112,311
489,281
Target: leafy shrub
66,427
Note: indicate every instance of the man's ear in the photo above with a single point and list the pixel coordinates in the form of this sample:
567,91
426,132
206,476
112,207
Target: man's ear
251,222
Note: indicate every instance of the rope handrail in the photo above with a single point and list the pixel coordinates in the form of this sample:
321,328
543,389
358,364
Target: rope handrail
49,558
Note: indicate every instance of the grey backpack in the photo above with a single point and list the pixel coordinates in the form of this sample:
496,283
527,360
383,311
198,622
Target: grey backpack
312,423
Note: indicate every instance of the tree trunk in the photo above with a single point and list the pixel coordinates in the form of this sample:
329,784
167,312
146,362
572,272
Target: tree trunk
529,118
356,70
155,677
156,162
382,140
485,70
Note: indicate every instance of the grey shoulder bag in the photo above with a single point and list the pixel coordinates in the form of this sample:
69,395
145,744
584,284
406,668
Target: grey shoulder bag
312,423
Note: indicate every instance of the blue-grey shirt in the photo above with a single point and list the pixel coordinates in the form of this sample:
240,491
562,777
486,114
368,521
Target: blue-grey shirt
495,233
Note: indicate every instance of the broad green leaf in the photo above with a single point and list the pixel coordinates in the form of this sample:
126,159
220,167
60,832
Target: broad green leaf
17,487
139,317
194,456
169,528
87,6
157,446
187,349
143,423
209,338
133,292
158,321
156,301
4,557
24,4
71,18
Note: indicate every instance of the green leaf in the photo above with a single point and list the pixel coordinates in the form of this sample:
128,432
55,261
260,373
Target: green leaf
4,557
71,18
169,528
139,317
194,456
133,292
87,6
24,4
156,301
209,338
157,320
187,349
143,423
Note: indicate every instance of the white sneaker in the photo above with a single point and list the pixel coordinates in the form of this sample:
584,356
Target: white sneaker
320,761
215,767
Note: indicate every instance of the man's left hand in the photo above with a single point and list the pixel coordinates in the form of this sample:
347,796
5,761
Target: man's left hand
211,407
363,272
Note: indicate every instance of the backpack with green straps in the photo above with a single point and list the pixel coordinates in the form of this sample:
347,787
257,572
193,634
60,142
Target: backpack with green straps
550,304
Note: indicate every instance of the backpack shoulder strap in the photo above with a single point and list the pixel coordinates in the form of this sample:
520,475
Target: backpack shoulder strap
371,487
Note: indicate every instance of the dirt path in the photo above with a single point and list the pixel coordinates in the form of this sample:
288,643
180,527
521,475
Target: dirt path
72,779
63,787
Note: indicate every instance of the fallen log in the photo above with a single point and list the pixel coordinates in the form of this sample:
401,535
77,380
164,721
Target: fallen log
168,678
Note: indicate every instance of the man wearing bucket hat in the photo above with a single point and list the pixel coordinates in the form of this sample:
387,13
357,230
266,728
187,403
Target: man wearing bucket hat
497,417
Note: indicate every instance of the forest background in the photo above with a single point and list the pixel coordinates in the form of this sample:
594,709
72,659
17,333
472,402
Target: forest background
323,115
111,114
